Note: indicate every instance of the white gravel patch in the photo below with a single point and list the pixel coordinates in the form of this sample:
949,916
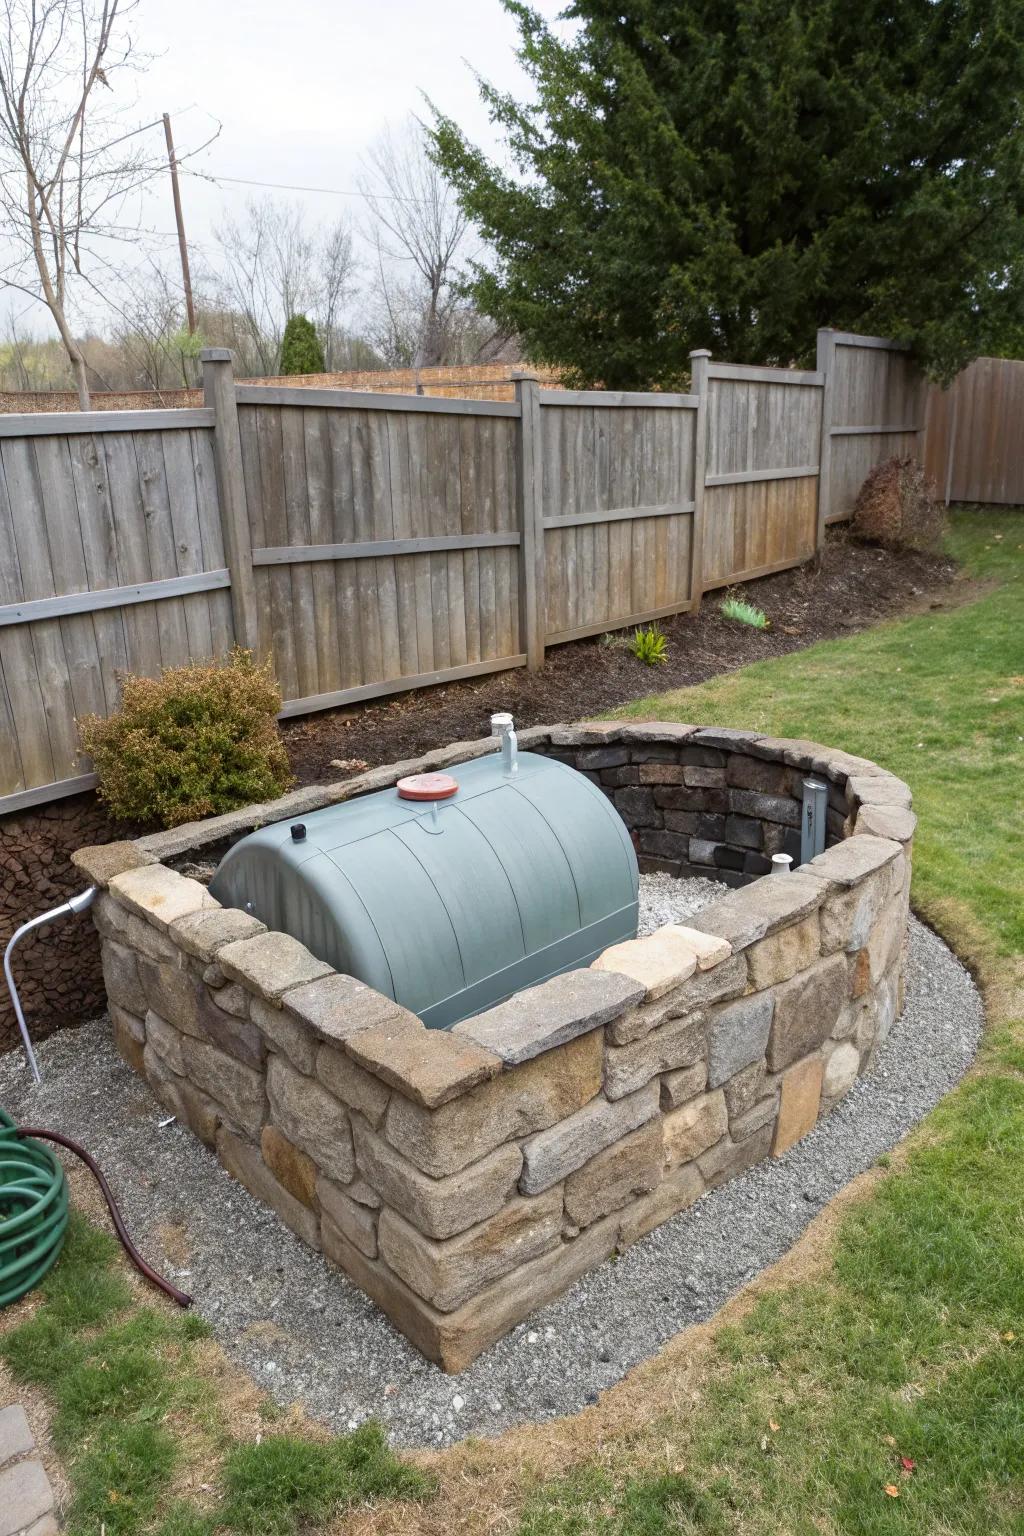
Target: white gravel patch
305,1333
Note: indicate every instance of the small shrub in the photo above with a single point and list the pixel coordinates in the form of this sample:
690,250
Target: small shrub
650,646
200,740
743,613
301,351
897,508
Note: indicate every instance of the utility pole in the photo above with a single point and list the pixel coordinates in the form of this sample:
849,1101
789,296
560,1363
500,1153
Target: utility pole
186,278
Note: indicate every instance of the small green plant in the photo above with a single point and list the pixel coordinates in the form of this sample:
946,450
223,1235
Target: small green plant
301,351
650,645
200,740
743,613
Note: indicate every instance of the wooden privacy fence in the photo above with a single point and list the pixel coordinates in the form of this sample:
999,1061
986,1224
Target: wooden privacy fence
975,439
372,543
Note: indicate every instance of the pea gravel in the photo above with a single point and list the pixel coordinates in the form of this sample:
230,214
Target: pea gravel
305,1333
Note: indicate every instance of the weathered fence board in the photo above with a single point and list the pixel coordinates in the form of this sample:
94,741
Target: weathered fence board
618,499
974,443
874,410
373,543
761,479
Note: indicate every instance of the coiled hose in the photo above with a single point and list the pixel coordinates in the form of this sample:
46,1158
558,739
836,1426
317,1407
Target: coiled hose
33,1211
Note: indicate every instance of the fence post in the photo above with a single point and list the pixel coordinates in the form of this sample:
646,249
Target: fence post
827,365
219,396
530,508
699,360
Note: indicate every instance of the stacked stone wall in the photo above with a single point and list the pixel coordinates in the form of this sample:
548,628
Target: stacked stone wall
463,1178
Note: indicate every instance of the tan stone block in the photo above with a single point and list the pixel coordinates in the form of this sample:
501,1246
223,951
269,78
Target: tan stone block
883,945
693,1128
517,1103
553,1154
348,1082
270,964
181,998
888,821
790,950
287,1034
336,1006
126,1038
429,1066
238,1087
622,1172
439,1207
448,1273
678,1190
202,933
847,916
799,1101
842,1064
340,1214
244,1163
101,862
121,977
658,962
454,1339
725,980
167,1042
806,1009
681,1086
159,894
312,1118
679,1043
291,1167
727,1159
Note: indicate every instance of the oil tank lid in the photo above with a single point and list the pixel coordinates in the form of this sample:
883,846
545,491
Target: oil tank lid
427,786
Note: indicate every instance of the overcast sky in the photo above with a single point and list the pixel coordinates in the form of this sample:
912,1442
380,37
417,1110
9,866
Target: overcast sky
302,87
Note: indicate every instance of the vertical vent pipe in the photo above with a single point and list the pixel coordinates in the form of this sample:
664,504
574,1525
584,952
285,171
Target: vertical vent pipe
812,819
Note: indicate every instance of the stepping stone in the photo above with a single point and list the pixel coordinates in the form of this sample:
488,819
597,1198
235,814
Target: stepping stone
26,1498
16,1439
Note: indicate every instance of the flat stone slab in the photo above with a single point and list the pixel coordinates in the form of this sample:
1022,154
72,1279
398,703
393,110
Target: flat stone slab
270,964
540,1018
100,863
25,1496
160,895
429,1066
16,1438
848,862
337,1006
755,911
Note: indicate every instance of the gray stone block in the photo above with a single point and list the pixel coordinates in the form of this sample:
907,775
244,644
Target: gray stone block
553,1154
738,1035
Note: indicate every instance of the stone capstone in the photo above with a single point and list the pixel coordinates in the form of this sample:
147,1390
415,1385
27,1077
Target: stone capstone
201,934
429,1066
159,895
540,1018
270,964
337,1006
101,862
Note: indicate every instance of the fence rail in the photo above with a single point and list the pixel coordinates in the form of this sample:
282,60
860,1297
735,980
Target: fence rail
372,543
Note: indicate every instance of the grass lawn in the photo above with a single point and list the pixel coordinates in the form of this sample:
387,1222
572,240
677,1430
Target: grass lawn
875,1385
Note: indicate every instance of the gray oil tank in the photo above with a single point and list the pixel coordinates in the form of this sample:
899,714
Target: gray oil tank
453,905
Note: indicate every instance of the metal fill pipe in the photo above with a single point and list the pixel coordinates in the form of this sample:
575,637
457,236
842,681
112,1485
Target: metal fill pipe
80,903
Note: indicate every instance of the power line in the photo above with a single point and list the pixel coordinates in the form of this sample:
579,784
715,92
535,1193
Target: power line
285,186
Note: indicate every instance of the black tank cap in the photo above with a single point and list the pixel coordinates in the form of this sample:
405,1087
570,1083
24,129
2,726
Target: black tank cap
298,832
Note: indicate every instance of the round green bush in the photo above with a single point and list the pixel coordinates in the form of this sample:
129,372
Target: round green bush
197,741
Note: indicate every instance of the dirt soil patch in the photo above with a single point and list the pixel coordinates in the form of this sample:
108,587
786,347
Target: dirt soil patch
851,587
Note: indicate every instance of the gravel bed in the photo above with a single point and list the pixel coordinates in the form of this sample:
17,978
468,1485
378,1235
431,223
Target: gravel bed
305,1333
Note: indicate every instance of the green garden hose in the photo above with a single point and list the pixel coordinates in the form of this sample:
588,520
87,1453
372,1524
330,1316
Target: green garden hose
33,1211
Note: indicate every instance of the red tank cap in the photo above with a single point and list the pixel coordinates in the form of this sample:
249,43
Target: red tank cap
427,786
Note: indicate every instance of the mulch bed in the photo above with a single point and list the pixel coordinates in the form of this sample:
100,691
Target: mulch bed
850,588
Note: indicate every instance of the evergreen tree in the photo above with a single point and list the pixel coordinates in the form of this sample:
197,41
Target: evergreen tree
733,174
301,351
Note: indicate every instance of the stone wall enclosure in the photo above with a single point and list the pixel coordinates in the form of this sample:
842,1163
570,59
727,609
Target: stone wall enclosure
464,1178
